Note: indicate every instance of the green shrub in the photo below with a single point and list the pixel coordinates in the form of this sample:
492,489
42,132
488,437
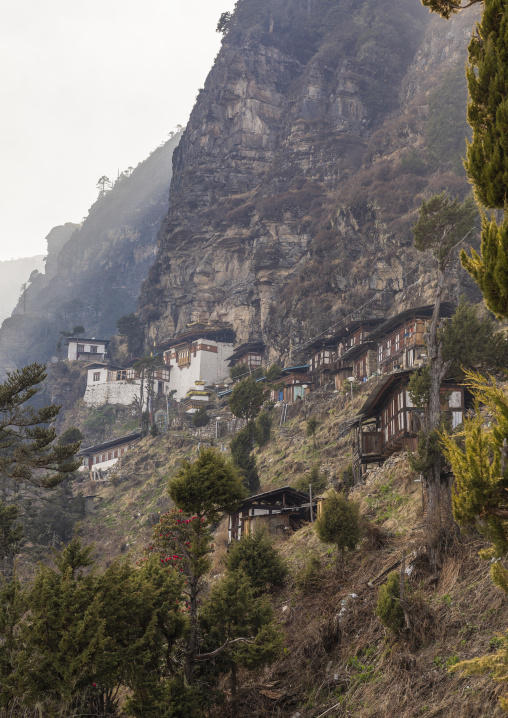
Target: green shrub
263,428
316,478
340,523
258,559
388,607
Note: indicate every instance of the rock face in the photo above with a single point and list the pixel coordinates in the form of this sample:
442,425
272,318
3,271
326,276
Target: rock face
94,271
13,273
304,161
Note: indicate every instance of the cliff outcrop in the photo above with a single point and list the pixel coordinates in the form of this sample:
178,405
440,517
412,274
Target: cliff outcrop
319,129
93,271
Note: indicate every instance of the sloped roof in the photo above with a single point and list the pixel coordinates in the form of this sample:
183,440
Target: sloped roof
111,444
425,312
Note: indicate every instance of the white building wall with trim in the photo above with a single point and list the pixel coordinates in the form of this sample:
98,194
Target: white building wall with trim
208,366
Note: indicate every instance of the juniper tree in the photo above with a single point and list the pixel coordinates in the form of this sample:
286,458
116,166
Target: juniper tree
131,327
247,398
243,459
238,628
204,491
340,523
263,428
200,418
441,225
256,556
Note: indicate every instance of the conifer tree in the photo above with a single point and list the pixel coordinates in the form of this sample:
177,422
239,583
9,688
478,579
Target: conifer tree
256,556
447,8
204,490
246,399
479,460
240,626
27,449
441,225
490,269
243,459
340,523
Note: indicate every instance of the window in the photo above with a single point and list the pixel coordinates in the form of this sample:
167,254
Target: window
93,349
81,347
96,376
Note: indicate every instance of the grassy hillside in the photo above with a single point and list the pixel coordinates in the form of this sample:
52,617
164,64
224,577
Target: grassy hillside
337,655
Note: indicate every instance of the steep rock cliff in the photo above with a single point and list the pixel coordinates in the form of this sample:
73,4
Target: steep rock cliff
93,271
304,161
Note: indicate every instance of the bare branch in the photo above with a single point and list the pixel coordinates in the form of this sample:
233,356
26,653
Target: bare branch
228,643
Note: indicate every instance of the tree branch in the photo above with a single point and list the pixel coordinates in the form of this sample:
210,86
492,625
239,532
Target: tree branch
228,643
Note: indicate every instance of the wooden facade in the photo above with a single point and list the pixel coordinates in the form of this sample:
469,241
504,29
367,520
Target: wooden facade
389,422
250,355
279,512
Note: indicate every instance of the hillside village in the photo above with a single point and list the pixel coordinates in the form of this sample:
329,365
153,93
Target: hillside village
254,413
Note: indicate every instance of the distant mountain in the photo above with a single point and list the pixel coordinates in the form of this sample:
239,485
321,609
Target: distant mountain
13,273
94,270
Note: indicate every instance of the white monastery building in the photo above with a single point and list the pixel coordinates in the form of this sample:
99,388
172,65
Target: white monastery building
198,357
108,384
86,349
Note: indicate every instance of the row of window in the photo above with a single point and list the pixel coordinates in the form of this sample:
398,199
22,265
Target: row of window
109,455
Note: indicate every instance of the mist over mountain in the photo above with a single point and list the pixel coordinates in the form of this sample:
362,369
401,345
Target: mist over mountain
13,273
94,270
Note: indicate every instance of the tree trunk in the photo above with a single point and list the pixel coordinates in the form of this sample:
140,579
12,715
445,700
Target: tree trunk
192,643
439,508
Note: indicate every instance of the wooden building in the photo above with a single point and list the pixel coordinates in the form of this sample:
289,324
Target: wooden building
400,339
249,355
389,422
102,456
295,383
279,511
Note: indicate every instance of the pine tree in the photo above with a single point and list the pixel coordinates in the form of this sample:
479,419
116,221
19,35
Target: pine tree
239,628
27,449
200,418
340,523
478,457
442,223
388,606
246,399
12,610
490,270
243,459
447,8
487,75
205,490
256,556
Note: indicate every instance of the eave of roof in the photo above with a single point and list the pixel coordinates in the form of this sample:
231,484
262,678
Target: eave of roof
424,312
109,444
80,340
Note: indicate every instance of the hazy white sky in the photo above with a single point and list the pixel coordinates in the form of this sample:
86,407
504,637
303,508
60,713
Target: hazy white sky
87,88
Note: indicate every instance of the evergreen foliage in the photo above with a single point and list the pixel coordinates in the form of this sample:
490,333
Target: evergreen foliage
233,615
340,523
316,478
246,399
131,327
419,387
442,223
27,449
72,435
243,459
490,269
257,558
447,8
311,427
487,76
263,428
200,418
208,487
478,457
469,342
388,606
273,372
